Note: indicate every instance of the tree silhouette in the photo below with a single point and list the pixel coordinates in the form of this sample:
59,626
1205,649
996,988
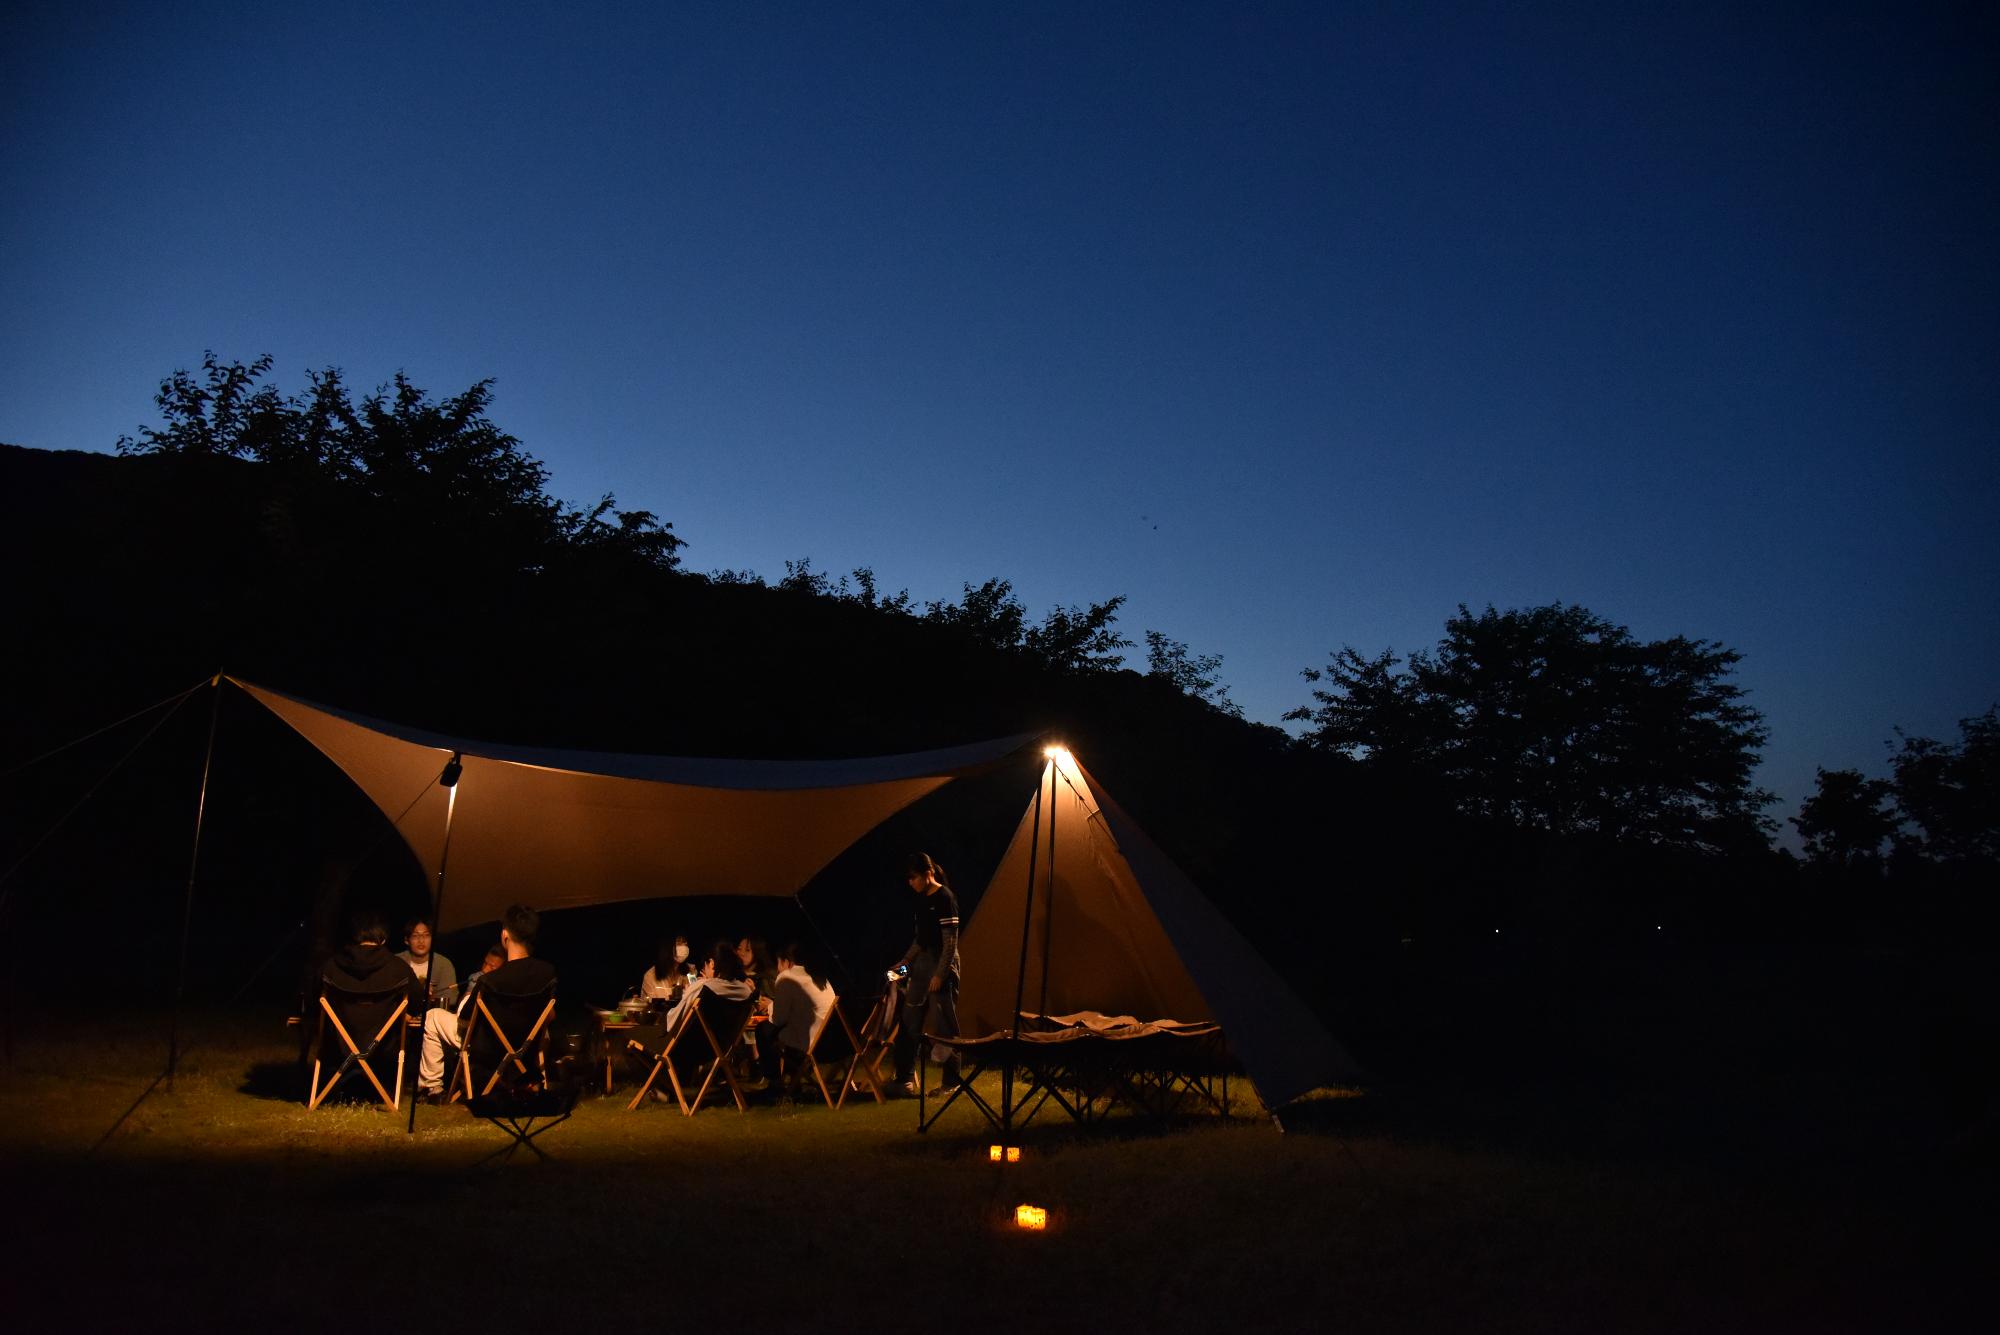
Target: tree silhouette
1555,719
443,465
1192,674
1951,792
1847,820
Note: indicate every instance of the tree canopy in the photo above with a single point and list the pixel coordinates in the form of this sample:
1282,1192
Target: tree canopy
443,463
1556,719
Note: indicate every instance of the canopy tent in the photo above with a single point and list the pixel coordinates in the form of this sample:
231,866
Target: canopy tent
565,829
1085,913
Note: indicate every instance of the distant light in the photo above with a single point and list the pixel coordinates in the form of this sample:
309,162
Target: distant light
1012,1153
1031,1217
1056,752
1659,929
1496,931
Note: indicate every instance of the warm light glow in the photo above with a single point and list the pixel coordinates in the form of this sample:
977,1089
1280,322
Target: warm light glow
1012,1153
1031,1217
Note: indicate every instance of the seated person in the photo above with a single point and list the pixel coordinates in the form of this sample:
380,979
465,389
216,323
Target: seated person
521,976
365,964
722,976
802,1001
669,973
442,1028
433,971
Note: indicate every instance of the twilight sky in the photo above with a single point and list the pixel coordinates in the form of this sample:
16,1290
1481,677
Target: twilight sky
1296,324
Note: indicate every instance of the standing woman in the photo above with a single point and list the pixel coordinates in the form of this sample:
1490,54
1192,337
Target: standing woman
930,998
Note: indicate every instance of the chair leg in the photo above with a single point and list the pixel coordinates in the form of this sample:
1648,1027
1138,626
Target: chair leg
653,1075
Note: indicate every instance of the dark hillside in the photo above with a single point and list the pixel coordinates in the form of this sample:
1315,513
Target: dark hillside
143,575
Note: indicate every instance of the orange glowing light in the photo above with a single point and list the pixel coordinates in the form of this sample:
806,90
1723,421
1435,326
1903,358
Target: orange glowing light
1031,1217
1012,1153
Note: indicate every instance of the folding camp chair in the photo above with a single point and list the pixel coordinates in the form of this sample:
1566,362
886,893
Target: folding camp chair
516,1109
812,1061
723,1024
663,1060
876,1041
374,1016
489,1029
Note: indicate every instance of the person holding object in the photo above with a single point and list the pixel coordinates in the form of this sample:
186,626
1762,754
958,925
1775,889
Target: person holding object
930,997
433,971
669,973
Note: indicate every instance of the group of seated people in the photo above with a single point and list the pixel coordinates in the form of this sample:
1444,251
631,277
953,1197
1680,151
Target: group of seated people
366,967
790,993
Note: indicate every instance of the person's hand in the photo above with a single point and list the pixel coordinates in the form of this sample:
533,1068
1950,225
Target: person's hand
937,982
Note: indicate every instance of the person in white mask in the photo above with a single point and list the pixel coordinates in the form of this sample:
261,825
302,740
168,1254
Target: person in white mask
669,972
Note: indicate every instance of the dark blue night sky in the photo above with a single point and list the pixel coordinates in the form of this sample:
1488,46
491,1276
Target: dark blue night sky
1298,325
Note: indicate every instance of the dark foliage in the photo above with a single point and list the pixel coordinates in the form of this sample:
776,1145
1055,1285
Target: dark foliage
1556,720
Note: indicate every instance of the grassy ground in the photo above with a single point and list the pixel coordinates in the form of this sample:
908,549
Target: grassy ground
1535,1204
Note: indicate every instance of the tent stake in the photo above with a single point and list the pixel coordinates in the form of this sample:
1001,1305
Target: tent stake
194,861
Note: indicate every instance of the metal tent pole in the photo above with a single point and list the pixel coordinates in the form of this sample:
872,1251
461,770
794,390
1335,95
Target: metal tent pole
449,777
1049,909
1021,974
194,861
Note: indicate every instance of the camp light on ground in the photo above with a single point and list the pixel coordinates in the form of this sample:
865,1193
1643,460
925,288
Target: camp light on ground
1031,1217
1011,1153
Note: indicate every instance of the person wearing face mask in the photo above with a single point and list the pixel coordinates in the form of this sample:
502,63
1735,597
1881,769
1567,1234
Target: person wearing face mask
669,972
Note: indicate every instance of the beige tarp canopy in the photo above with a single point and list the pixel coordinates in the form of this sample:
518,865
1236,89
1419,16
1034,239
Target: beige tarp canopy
1115,927
565,829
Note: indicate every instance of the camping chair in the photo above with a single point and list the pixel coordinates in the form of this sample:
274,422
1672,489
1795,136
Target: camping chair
373,1015
723,1023
810,1059
876,1041
663,1060
515,1109
489,1029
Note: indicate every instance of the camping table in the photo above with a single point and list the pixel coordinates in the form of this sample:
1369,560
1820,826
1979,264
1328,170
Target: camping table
614,1034
1087,1064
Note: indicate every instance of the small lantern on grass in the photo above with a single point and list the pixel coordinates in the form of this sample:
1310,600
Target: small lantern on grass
1031,1217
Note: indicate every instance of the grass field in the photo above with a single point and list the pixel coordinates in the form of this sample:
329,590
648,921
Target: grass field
1586,1203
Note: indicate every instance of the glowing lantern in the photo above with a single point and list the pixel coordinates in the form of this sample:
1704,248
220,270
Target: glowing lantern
1011,1153
1031,1217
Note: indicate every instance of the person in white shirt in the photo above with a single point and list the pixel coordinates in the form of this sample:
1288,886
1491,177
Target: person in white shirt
802,1001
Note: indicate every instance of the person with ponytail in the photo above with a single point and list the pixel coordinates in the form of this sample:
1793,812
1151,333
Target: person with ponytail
930,997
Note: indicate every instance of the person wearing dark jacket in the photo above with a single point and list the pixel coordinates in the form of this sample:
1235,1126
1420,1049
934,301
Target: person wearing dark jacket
366,964
522,975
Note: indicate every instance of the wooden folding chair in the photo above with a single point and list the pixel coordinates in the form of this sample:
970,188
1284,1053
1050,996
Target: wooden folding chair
489,1029
876,1041
723,1023
664,1059
372,1014
812,1061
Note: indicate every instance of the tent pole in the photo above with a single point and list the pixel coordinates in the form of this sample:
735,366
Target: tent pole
1021,975
194,861
437,907
1049,909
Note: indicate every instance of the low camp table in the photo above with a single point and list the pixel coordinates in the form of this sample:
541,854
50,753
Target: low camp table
1086,1064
